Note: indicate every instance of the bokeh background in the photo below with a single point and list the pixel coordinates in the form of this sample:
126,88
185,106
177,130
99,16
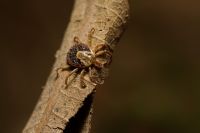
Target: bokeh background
154,82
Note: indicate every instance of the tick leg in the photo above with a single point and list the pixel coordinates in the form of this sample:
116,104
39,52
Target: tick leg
102,47
103,58
95,76
83,85
76,40
103,52
67,81
62,69
90,72
90,34
98,48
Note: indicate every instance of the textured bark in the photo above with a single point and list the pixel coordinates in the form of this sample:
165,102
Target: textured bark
60,107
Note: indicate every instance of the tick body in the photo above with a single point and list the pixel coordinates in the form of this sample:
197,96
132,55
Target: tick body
95,62
72,58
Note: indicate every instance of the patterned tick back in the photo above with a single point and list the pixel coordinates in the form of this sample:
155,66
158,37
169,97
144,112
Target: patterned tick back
71,55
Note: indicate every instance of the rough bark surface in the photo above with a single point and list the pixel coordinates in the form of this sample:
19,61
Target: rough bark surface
62,107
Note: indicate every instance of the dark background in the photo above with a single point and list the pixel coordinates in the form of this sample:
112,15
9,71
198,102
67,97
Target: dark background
154,82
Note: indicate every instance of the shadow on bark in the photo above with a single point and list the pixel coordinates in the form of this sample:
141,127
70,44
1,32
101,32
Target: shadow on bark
76,123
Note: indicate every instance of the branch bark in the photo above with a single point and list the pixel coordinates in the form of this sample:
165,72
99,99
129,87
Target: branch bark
60,107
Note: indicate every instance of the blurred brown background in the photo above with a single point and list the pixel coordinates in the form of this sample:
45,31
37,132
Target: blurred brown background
154,83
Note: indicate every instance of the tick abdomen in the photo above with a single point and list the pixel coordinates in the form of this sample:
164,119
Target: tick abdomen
72,58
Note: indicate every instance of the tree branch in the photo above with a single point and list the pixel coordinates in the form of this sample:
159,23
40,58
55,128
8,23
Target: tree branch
61,106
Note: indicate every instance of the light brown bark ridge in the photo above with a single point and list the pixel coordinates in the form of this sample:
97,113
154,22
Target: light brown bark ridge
60,107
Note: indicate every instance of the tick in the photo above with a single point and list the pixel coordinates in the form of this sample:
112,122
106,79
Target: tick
84,59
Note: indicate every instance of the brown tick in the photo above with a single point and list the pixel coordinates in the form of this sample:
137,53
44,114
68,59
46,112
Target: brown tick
85,59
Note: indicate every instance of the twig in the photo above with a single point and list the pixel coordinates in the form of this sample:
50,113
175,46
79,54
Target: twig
62,107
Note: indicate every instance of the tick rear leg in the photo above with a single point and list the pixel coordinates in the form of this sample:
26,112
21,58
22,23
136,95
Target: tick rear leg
83,85
67,81
64,68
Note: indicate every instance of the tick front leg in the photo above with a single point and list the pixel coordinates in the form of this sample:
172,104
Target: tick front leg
102,47
103,52
76,40
90,35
